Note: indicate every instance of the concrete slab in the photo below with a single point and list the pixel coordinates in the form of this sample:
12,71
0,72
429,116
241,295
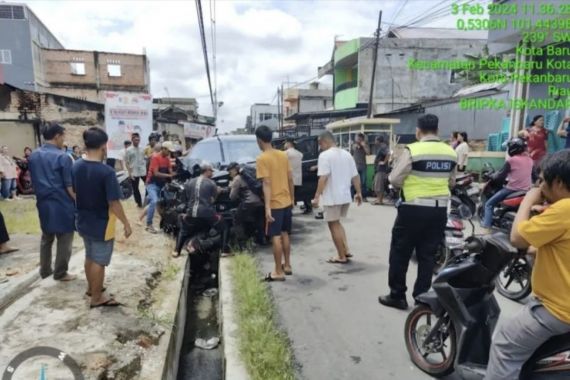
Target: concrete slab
234,367
129,342
331,312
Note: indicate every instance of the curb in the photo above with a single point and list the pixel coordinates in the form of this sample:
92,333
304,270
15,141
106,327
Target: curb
233,367
18,288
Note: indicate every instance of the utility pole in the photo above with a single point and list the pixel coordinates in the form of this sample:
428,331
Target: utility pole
281,111
374,60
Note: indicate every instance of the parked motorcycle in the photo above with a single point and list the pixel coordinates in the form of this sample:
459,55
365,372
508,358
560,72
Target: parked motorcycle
454,238
24,178
451,328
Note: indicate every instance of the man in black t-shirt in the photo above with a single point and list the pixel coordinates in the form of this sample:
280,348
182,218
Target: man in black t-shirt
98,206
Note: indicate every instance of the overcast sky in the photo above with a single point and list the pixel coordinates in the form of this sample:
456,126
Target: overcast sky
259,43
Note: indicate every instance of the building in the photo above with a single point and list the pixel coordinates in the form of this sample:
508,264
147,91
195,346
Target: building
264,114
178,119
32,58
88,74
549,55
395,84
300,103
23,112
22,36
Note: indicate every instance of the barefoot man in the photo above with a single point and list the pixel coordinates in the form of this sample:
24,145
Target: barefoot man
336,171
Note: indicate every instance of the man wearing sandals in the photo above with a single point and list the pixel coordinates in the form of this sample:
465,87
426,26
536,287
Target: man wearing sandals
98,206
337,171
273,168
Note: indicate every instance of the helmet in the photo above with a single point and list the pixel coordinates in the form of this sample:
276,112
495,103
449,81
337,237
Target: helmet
516,146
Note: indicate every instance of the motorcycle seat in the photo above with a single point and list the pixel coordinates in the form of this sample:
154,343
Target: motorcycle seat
501,240
516,194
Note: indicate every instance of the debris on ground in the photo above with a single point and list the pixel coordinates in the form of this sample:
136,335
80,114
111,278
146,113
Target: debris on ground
209,344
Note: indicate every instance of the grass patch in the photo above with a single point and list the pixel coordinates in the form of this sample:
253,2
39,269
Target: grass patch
21,216
264,348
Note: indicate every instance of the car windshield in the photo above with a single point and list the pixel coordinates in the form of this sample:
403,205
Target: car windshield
207,151
241,151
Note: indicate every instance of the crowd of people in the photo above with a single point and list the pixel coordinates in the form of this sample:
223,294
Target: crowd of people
79,192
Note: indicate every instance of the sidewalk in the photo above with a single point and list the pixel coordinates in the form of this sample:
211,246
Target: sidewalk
126,342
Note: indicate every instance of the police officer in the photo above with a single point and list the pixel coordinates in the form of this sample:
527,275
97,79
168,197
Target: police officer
424,172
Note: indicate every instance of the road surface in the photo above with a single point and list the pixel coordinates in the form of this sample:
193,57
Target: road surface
331,312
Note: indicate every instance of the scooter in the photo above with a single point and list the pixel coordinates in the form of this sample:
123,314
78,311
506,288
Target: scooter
451,328
504,213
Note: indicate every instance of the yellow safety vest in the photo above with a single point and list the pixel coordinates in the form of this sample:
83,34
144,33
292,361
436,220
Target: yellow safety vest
432,163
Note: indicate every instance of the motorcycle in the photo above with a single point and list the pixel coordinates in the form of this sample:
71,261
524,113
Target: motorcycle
514,280
24,178
504,213
451,328
467,190
453,240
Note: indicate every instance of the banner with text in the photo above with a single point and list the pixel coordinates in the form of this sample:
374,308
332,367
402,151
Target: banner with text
126,113
198,131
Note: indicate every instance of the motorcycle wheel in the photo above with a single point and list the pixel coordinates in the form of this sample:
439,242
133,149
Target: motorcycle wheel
420,322
514,280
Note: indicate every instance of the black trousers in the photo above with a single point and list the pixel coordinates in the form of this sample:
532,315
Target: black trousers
250,222
189,227
136,191
416,228
3,231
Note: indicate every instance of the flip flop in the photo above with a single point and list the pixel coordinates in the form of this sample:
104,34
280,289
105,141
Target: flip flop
349,255
9,250
269,278
334,260
87,294
111,302
287,272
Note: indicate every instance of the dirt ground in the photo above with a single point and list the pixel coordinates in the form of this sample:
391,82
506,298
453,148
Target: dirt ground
109,343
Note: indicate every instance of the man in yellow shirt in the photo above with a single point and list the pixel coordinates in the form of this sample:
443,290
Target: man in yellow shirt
548,313
274,169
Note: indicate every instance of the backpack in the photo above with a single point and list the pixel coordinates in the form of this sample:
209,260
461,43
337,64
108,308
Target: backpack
248,174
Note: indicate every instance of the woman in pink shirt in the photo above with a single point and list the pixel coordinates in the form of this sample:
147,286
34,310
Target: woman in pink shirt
537,139
518,171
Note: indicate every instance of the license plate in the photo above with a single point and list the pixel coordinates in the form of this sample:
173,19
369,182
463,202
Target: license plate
453,241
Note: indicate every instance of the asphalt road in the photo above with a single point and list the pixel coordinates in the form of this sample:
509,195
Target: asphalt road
331,313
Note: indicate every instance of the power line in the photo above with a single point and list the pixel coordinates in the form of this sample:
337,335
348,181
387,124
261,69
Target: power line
398,12
205,49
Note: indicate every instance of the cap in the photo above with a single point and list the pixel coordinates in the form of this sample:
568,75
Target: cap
169,145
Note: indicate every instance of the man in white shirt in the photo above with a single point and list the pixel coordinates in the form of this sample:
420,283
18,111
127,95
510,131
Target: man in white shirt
336,171
296,161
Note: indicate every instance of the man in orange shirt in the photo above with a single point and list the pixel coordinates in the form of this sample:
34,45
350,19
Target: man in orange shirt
274,169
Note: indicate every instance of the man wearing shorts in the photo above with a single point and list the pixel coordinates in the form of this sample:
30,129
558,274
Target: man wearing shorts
274,169
336,171
98,206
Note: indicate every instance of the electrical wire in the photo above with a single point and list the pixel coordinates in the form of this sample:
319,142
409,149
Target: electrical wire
398,12
204,48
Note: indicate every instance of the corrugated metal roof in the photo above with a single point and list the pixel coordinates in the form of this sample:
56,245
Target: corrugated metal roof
437,33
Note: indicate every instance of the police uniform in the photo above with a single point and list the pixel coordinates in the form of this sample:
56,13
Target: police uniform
424,172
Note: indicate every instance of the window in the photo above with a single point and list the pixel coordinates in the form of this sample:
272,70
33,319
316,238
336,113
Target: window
77,68
114,68
5,57
13,12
